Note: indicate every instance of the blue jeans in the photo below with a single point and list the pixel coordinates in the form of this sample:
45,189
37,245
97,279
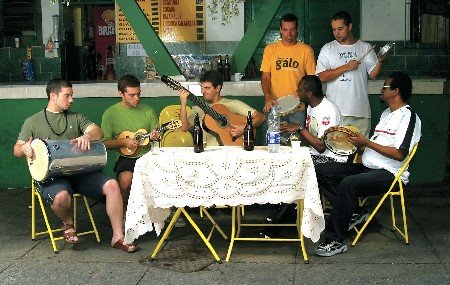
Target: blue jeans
342,184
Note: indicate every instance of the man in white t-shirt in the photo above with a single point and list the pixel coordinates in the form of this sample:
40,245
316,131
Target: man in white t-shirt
345,65
398,130
321,115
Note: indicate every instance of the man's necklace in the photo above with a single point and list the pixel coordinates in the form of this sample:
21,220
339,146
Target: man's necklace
48,123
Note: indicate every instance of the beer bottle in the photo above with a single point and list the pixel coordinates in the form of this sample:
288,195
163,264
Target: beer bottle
198,135
249,135
227,70
220,66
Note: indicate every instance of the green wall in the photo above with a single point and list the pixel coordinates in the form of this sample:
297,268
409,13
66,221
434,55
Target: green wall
428,167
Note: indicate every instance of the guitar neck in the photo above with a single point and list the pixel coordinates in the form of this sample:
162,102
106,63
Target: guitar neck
222,120
208,110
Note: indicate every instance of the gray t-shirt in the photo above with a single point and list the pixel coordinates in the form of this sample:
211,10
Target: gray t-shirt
54,126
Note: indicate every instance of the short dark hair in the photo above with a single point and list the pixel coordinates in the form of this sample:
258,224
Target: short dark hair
289,18
55,85
312,83
403,82
342,15
212,76
127,80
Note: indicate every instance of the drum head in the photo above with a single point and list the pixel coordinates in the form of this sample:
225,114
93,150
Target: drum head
38,165
335,139
287,104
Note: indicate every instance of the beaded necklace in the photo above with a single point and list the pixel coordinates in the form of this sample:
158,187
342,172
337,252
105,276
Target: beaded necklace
48,123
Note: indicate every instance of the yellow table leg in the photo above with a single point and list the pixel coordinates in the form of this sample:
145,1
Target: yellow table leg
199,232
167,232
233,232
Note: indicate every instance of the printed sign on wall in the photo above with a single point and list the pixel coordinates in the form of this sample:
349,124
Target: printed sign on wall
182,21
172,20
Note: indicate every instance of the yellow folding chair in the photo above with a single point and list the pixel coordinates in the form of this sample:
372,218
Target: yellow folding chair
391,193
35,194
174,138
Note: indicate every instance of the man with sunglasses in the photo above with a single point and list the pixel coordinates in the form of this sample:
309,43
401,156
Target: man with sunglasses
398,130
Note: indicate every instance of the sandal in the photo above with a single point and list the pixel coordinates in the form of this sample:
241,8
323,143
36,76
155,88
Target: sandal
130,248
69,233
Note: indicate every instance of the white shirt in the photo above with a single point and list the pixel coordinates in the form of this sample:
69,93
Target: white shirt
318,120
349,91
395,129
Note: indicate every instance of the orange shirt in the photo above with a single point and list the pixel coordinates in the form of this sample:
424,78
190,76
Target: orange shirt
287,65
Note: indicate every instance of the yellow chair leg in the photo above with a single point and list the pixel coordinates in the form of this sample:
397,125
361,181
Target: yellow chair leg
50,232
359,232
91,218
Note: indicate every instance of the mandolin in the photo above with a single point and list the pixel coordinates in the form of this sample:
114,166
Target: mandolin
218,118
143,137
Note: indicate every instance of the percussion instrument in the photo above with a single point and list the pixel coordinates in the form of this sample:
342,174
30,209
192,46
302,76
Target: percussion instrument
366,53
335,139
288,105
60,158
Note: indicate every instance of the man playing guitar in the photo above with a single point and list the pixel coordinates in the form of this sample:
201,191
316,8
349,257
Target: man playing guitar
211,84
129,115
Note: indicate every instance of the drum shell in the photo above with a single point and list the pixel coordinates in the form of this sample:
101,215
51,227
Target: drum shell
65,158
288,104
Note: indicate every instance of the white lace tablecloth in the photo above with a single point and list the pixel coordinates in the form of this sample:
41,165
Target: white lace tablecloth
224,175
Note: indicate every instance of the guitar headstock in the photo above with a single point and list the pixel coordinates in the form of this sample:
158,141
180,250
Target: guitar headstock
175,85
172,125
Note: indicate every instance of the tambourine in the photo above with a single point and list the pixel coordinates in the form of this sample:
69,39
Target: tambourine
288,104
335,139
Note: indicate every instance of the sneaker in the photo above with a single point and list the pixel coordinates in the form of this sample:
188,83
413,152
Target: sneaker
358,219
330,248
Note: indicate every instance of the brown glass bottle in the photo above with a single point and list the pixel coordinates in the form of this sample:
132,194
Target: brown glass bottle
227,70
198,135
220,66
249,135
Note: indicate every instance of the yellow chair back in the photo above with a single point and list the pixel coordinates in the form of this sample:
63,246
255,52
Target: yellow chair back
177,137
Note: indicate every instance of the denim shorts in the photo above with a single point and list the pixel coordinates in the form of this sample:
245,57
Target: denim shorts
89,184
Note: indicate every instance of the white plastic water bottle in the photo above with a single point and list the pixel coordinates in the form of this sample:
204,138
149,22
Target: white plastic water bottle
273,131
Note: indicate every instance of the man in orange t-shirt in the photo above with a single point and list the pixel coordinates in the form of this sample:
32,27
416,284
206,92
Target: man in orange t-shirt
284,63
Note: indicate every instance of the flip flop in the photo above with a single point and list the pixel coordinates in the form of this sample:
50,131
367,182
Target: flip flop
70,234
130,248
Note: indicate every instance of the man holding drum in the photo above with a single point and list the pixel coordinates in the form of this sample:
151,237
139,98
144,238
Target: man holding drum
321,115
284,63
344,64
398,130
57,122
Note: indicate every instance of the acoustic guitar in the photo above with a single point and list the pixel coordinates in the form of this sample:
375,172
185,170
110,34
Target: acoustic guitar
143,137
218,118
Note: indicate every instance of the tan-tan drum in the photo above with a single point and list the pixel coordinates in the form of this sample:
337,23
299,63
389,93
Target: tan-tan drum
288,105
60,158
335,139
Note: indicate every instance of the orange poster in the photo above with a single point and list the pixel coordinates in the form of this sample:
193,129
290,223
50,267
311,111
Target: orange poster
172,20
124,31
182,21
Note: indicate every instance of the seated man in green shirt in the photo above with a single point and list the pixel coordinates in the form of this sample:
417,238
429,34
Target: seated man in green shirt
119,124
57,122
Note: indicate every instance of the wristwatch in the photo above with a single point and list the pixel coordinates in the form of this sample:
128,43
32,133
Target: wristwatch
300,128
